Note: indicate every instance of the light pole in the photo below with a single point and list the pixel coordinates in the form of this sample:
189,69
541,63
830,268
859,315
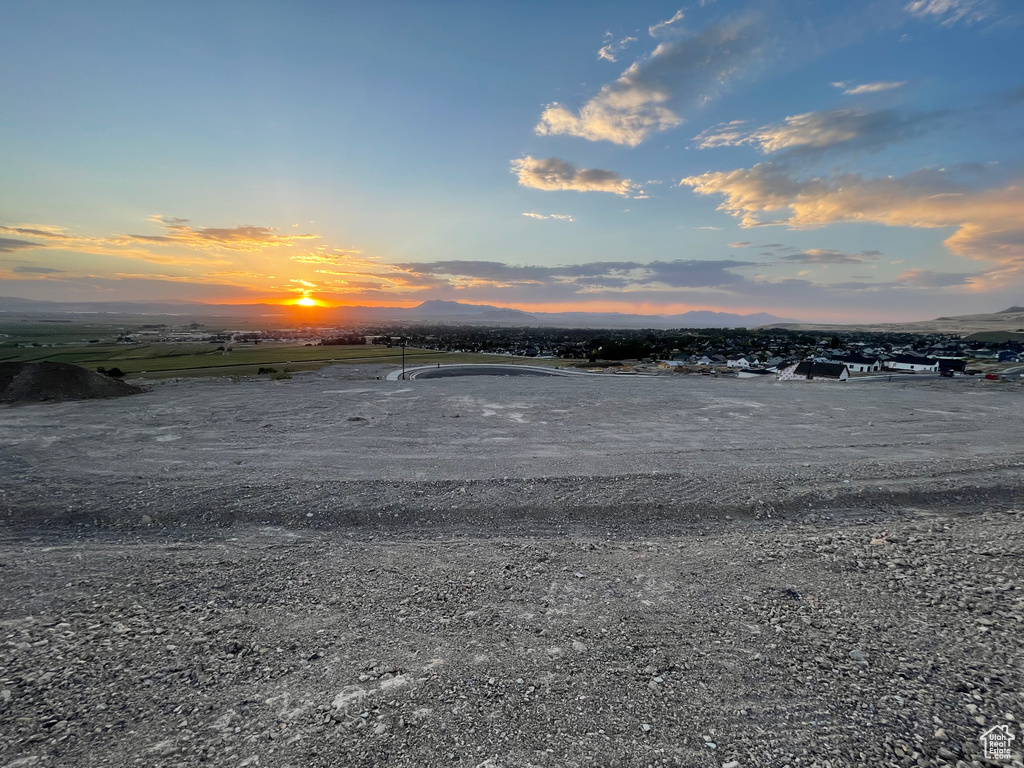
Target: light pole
402,340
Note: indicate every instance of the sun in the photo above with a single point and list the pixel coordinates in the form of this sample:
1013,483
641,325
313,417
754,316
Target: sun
307,301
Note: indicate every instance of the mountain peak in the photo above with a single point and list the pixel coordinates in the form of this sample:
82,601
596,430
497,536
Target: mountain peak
443,307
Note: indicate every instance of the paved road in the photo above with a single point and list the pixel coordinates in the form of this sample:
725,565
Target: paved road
450,371
478,369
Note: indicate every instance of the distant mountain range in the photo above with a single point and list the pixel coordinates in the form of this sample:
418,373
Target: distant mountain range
434,311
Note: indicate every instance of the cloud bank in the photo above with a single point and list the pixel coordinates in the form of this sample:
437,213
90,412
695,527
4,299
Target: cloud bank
988,223
583,278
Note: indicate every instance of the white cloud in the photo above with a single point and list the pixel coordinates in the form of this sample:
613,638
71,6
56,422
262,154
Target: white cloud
655,29
631,109
949,12
731,134
556,174
611,51
555,216
862,88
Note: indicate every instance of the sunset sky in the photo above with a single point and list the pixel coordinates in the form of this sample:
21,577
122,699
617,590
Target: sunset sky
844,161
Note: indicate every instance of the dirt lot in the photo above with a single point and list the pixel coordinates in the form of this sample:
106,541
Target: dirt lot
336,570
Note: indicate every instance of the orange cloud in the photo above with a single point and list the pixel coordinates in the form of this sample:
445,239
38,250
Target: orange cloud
243,238
989,223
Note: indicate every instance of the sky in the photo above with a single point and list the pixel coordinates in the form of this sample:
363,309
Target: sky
826,161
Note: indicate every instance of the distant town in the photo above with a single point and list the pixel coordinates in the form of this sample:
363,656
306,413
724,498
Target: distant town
789,354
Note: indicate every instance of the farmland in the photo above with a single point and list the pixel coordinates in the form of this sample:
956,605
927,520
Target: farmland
95,346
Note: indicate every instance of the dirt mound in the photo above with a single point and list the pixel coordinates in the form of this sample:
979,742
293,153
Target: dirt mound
33,382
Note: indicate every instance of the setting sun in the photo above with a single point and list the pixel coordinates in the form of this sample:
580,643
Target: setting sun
307,301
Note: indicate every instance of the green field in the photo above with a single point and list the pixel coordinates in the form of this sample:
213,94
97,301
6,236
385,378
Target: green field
192,359
158,360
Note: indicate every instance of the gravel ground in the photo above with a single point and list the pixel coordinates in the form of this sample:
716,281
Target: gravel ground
337,570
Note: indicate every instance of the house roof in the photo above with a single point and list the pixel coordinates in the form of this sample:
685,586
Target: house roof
913,360
860,359
820,370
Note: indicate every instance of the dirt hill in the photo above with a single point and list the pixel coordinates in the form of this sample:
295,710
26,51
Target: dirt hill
1010,319
34,382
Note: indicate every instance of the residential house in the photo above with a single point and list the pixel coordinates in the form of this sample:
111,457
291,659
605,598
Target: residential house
754,373
912,363
860,363
808,369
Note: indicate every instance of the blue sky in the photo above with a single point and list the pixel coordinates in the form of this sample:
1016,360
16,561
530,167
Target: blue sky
826,161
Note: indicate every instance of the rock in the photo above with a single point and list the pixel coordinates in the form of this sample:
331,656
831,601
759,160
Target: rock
350,694
857,655
145,520
731,764
163,748
579,647
645,727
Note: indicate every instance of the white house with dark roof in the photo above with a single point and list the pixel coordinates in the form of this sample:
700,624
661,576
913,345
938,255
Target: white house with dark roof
808,369
912,363
860,363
